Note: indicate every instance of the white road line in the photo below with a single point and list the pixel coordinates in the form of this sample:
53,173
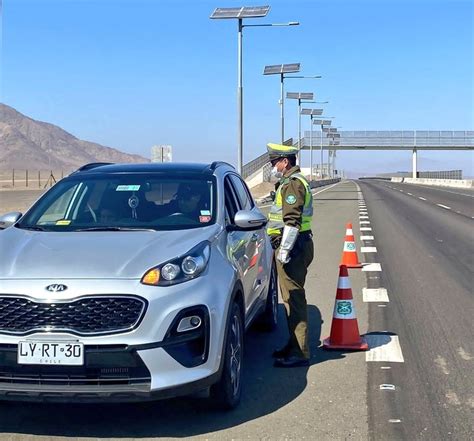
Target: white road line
375,295
423,199
443,206
363,216
384,347
368,249
401,191
372,267
369,228
366,237
364,222
410,194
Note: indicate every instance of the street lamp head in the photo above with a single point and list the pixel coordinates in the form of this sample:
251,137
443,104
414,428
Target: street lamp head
294,23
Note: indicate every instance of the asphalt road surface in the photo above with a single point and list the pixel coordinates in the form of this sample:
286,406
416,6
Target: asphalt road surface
424,239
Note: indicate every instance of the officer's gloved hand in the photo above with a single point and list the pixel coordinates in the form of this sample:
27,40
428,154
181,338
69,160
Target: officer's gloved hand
288,240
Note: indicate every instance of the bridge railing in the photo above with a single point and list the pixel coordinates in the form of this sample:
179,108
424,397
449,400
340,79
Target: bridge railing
397,138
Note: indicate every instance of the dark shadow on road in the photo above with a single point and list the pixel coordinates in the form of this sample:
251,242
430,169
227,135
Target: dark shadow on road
266,389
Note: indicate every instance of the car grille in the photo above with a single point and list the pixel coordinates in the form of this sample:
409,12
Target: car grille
84,316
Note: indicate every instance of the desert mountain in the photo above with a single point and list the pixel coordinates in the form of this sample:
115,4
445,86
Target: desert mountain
29,144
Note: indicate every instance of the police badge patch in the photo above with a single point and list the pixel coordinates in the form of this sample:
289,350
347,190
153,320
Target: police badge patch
291,199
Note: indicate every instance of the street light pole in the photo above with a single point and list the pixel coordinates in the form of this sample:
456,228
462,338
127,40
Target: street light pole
311,149
282,110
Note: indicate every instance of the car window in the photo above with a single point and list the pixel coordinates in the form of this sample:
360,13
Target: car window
231,204
246,201
126,200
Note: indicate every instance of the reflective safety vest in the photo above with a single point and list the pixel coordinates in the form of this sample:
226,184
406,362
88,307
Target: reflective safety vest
275,217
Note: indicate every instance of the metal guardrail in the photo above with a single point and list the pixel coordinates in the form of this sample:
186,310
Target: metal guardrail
255,165
440,174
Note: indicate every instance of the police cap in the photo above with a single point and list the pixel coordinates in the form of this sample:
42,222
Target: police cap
277,151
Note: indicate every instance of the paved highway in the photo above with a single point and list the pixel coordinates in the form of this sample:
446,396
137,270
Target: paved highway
424,239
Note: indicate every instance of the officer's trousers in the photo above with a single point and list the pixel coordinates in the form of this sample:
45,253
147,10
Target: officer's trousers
292,277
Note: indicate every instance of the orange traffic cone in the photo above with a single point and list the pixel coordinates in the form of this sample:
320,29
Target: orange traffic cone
344,327
349,254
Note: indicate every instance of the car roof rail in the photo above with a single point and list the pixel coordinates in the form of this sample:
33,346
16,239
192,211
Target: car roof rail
92,165
216,164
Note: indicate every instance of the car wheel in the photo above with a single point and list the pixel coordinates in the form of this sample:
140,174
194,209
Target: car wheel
269,317
226,393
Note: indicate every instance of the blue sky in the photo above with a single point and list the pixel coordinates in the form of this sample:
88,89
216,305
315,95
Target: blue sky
133,73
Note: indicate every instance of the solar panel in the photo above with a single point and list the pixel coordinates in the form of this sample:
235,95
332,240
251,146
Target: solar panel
300,95
314,112
281,68
241,12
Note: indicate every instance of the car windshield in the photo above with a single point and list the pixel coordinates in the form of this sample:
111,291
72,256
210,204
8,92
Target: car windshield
124,202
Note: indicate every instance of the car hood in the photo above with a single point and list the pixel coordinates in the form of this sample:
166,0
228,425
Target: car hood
92,255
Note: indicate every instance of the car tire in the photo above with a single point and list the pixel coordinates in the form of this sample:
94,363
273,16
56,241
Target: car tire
227,391
269,318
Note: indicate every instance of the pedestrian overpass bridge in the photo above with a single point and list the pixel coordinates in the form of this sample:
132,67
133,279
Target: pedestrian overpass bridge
410,140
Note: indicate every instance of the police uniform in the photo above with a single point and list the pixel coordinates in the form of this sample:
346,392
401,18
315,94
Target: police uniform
289,228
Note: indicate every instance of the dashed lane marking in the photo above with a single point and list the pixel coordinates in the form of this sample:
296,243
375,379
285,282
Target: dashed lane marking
366,237
423,199
464,354
444,206
384,347
369,228
375,295
410,194
364,222
387,387
372,267
368,249
363,217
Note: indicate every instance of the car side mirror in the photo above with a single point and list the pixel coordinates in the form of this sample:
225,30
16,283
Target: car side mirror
7,220
272,195
248,220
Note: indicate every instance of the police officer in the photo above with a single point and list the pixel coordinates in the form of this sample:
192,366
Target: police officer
289,228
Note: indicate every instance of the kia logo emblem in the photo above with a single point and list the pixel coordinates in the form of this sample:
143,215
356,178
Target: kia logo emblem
56,288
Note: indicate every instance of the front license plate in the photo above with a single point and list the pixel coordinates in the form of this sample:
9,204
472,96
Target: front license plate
51,352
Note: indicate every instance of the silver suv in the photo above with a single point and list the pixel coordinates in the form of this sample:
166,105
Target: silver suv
133,282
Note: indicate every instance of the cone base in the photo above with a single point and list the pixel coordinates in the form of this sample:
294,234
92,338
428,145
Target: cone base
353,265
361,346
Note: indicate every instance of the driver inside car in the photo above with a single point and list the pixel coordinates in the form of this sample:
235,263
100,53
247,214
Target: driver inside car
187,202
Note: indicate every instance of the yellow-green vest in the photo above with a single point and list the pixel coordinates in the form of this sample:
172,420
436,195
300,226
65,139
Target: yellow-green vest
275,217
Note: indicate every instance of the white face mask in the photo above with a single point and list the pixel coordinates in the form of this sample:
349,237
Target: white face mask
275,173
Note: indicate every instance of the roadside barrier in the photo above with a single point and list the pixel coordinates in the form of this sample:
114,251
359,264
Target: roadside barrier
349,254
344,328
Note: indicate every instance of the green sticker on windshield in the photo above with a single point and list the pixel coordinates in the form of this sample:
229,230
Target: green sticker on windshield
291,199
127,188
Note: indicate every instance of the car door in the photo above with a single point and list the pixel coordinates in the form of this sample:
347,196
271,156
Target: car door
256,242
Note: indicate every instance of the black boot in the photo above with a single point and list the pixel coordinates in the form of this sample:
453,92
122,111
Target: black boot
281,353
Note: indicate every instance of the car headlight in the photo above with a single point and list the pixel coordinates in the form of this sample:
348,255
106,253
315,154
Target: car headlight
179,270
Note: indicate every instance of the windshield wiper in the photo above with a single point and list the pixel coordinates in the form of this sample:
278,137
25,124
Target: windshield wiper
115,229
30,227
